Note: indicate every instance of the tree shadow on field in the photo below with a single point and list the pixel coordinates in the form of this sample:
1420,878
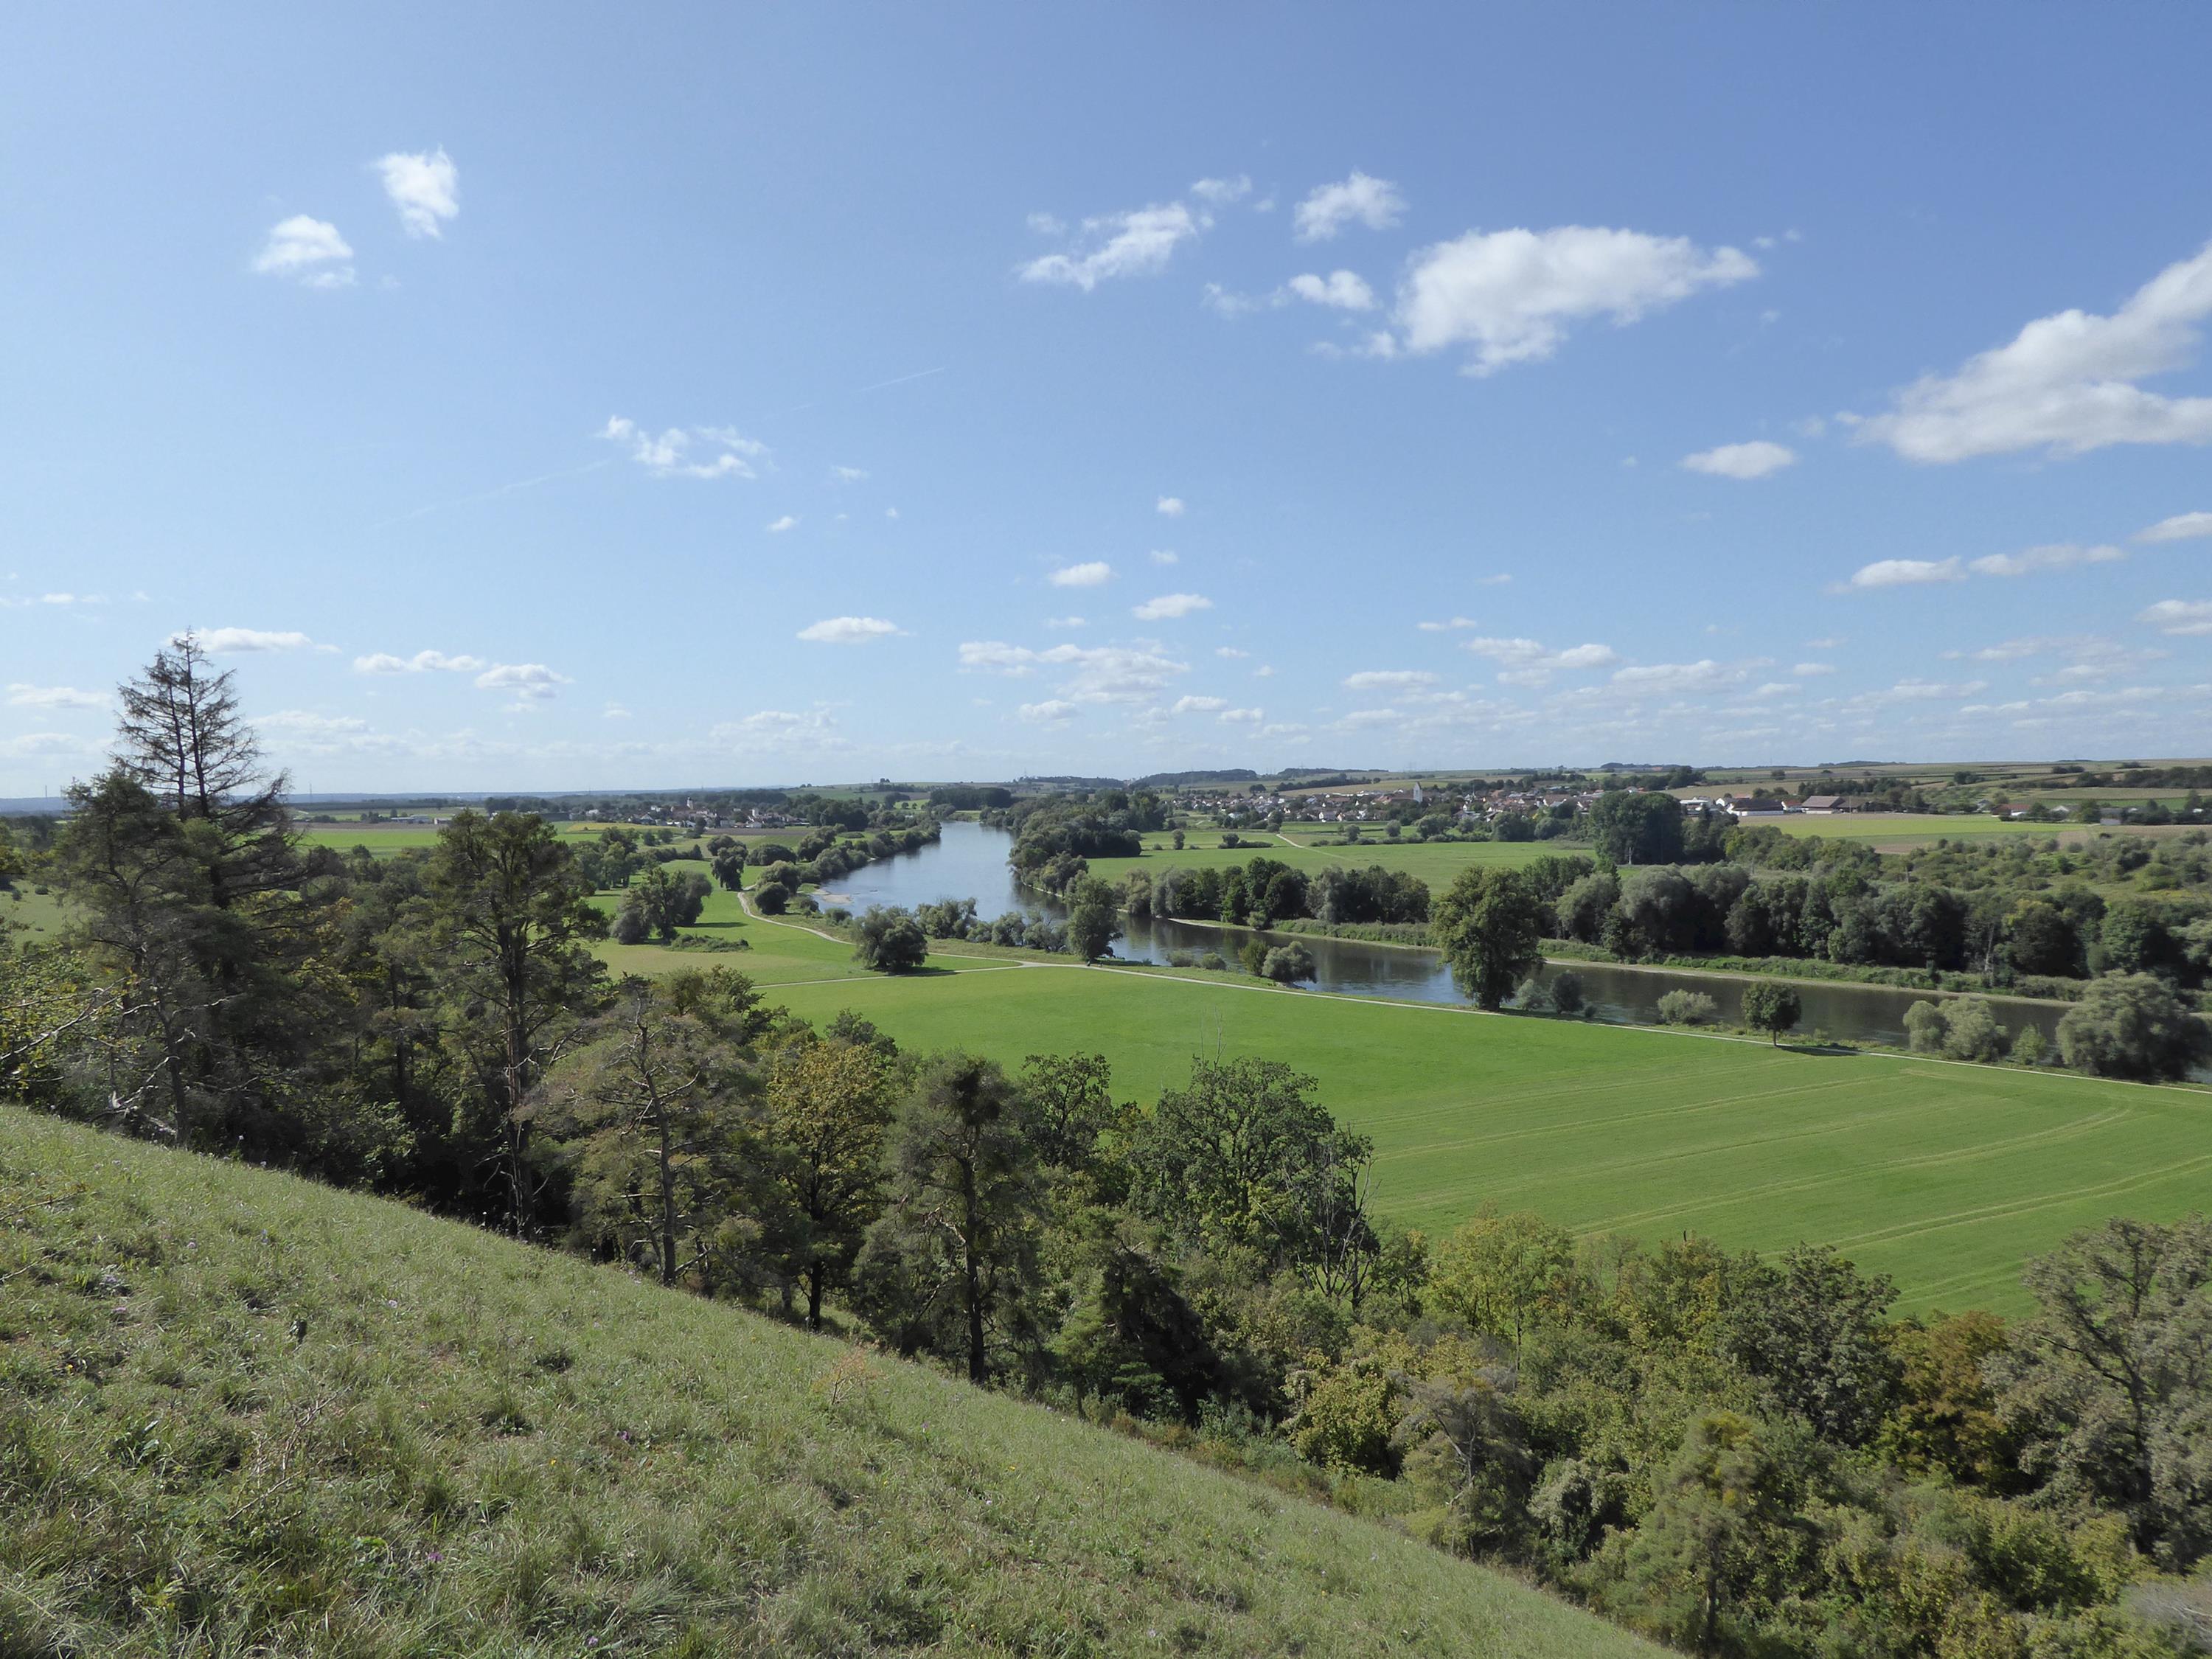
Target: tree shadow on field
1822,1050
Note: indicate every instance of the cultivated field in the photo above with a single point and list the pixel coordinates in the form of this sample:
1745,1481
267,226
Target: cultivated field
1945,1176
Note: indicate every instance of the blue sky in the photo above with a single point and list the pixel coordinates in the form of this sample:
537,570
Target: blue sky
565,397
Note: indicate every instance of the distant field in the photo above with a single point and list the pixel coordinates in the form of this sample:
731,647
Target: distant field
39,912
1944,1176
1918,829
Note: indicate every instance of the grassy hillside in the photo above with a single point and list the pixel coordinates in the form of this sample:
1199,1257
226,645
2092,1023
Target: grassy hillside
239,1412
1945,1176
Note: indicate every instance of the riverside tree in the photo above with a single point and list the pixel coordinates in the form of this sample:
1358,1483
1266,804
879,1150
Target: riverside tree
1771,1007
1490,925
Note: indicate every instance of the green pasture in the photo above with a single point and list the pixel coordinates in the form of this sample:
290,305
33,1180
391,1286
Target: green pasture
1434,862
1945,1176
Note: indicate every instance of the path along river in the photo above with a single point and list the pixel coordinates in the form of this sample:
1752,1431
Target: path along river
969,861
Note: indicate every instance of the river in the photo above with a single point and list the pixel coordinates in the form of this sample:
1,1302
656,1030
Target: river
969,861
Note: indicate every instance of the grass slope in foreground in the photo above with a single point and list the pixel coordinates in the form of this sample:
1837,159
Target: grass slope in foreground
1947,1177
239,1412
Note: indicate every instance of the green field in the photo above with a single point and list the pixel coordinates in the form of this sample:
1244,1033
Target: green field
242,1413
1945,1176
1434,862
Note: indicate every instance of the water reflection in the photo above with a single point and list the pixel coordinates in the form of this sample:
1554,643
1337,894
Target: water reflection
969,861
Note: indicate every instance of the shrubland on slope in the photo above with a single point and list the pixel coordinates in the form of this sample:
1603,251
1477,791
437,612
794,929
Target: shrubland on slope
240,1412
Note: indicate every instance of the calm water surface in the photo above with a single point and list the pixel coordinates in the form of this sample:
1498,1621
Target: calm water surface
970,862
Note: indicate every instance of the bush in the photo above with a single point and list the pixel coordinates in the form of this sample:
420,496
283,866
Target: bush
1688,1008
1924,1029
2029,1047
1287,964
1567,992
1252,956
890,940
771,898
1532,996
1182,958
630,926
2131,1025
1215,961
1971,1031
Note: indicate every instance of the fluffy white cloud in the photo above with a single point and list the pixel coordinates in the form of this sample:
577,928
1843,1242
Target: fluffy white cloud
1051,711
1346,290
1169,507
1199,705
1243,716
1511,294
1166,556
425,188
1230,651
2059,556
531,682
1901,572
20,695
1064,622
1755,459
1220,192
1529,662
777,527
2066,383
423,662
1446,627
1808,670
46,746
234,641
2181,528
2183,617
1167,606
847,474
1109,673
1092,574
705,452
848,631
306,248
1387,679
1360,199
1134,244
1675,679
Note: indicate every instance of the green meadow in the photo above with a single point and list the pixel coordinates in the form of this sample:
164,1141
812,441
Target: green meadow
1945,1176
242,1413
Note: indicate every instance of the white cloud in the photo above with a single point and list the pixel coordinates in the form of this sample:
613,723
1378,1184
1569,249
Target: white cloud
20,695
848,631
1901,572
847,474
1446,627
1166,556
29,599
1677,679
2181,528
721,452
1199,705
531,682
1063,622
1243,716
233,642
1755,459
2066,383
614,711
1387,679
425,188
1134,244
46,746
1093,574
1528,662
1343,289
1511,294
1230,651
2059,556
300,722
423,662
309,249
1167,606
2191,617
1264,671
1048,224
1493,581
1170,506
1051,711
1220,192
1359,199
1808,670
777,527
1110,673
